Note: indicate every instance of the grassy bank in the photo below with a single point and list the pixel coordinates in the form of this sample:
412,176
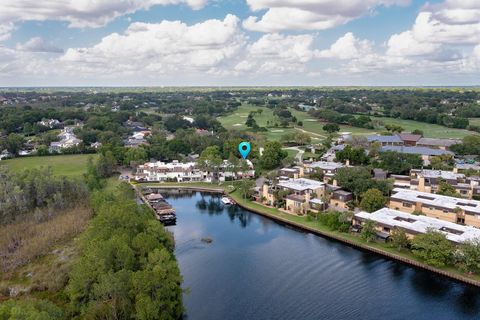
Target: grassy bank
73,166
315,227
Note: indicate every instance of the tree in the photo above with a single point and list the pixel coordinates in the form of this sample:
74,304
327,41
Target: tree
469,256
356,180
394,128
126,267
106,164
331,127
372,200
135,155
356,156
210,159
369,231
442,162
14,143
446,189
246,188
272,155
399,239
417,131
398,163
30,309
433,247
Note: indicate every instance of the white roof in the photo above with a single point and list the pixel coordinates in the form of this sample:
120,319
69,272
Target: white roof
168,166
326,165
316,201
301,184
437,200
454,232
448,175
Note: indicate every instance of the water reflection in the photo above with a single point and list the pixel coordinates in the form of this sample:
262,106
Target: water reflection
256,268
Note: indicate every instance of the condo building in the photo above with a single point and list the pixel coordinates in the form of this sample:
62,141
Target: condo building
388,219
454,210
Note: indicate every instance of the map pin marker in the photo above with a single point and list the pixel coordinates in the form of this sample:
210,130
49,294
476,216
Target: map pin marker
244,149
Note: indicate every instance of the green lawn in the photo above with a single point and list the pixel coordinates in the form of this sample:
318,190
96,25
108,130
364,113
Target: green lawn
429,130
237,119
67,165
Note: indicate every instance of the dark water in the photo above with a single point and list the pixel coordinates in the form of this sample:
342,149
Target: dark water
258,269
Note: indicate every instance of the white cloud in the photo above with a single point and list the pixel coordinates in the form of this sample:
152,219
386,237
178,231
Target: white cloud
440,31
37,44
5,30
80,13
347,47
309,14
277,53
166,47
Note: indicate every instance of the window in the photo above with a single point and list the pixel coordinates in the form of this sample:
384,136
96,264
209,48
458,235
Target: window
407,205
445,211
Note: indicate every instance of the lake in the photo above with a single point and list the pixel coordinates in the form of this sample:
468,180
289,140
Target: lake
256,268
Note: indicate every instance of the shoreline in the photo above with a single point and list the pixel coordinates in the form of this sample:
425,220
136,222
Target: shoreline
328,235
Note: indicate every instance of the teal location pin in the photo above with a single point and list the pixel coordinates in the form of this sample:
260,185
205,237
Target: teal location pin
244,149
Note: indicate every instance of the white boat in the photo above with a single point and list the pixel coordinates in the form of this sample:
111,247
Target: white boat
227,201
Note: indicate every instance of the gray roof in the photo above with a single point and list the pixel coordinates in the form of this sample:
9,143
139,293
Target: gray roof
437,142
416,150
384,139
393,218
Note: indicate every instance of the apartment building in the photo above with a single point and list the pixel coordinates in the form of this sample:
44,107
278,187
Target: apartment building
189,172
173,171
327,168
454,210
387,220
303,195
340,199
429,181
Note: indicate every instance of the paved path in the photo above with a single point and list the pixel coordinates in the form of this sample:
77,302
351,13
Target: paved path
310,132
300,153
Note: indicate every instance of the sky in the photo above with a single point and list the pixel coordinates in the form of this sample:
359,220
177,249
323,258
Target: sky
239,43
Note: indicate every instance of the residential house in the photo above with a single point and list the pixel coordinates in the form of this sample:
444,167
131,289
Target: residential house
67,140
443,144
50,123
189,172
327,168
386,140
387,220
429,181
410,139
455,210
340,199
163,172
303,195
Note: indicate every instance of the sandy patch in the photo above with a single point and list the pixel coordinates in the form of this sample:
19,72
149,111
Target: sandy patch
237,124
278,131
310,120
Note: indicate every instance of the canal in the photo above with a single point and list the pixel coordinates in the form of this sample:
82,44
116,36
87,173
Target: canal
256,268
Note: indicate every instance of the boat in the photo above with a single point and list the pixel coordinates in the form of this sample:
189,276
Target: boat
227,201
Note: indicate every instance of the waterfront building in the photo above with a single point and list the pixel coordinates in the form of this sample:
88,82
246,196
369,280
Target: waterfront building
340,199
455,210
388,219
176,171
301,195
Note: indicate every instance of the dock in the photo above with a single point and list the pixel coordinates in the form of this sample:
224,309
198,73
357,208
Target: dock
164,212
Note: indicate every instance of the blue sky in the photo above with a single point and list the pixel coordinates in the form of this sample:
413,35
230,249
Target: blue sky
243,42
